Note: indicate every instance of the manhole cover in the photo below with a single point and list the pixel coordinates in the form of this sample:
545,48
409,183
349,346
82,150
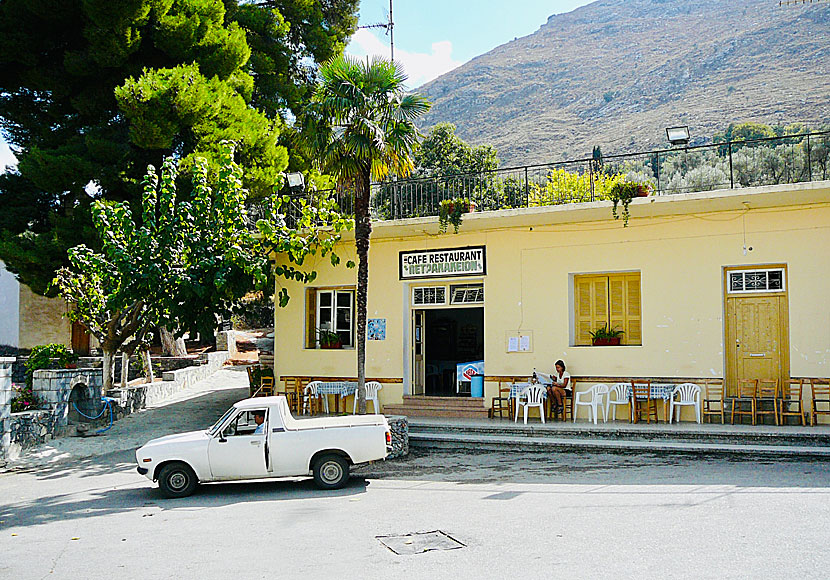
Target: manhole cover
420,542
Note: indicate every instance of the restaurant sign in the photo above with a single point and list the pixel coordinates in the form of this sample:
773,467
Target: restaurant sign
469,261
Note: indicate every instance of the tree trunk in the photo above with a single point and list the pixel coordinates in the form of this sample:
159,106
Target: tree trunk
363,229
125,369
109,367
148,363
171,346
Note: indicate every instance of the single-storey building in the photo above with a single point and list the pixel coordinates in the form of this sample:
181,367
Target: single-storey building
724,284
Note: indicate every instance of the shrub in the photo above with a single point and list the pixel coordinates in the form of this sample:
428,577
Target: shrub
47,356
256,310
24,400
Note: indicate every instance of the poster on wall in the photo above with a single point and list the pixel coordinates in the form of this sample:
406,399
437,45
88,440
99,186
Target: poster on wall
470,261
376,329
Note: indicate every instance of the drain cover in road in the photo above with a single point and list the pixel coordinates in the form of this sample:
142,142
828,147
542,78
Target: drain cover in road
420,542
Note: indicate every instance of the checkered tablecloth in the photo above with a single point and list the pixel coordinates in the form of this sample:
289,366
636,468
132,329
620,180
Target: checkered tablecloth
658,391
516,390
342,388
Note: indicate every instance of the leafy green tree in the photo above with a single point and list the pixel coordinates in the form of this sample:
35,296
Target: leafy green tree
442,152
360,126
92,92
184,249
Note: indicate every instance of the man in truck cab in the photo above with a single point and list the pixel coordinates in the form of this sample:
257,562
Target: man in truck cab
259,419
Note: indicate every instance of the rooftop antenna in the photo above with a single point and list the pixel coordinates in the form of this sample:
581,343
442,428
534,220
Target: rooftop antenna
389,27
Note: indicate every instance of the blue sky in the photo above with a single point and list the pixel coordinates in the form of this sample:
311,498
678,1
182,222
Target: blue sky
435,36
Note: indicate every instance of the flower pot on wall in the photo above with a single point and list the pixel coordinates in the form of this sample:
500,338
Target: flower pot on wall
615,341
332,345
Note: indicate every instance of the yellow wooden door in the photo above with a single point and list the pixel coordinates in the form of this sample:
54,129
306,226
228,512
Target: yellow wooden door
757,339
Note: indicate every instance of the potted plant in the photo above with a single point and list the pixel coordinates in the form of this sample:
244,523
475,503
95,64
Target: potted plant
450,212
329,339
622,193
604,336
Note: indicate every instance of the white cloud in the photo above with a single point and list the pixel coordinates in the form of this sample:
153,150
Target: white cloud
6,156
421,67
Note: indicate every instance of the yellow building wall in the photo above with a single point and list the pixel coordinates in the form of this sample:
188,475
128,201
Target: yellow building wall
42,320
529,287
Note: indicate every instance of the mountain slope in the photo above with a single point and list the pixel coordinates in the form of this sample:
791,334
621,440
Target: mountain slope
617,72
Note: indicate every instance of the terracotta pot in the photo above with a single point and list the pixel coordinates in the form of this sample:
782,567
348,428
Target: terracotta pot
642,191
332,345
606,341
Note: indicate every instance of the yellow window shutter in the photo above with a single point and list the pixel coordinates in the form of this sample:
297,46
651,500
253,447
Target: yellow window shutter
617,304
591,302
633,327
310,318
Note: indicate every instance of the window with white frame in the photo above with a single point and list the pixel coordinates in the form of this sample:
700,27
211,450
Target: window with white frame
335,313
749,281
467,294
429,295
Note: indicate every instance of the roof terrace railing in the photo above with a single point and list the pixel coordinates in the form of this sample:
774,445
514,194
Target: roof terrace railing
733,164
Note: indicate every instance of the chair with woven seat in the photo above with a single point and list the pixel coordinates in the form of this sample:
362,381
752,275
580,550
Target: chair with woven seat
592,398
501,402
641,395
745,395
567,409
266,387
617,395
767,399
792,404
532,396
713,402
820,396
685,395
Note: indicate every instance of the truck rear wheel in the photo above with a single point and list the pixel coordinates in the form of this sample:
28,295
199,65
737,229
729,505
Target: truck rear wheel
177,480
331,472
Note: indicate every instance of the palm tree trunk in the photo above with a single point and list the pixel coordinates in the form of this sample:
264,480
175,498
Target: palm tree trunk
362,231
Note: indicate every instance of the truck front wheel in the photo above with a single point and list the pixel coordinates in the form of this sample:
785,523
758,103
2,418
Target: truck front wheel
177,480
331,472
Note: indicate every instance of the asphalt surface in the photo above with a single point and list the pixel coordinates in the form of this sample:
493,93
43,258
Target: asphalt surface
85,513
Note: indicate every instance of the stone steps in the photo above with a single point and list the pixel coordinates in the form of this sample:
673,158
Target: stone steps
765,440
445,407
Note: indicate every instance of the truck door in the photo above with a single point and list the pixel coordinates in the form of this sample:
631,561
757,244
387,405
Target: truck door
239,450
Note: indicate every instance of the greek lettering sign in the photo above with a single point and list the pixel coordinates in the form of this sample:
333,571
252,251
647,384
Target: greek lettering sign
451,262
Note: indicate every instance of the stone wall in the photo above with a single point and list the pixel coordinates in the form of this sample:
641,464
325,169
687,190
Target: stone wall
5,407
226,340
54,388
161,364
400,436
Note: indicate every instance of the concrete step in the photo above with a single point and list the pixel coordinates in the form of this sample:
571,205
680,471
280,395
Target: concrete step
556,444
661,433
445,402
435,411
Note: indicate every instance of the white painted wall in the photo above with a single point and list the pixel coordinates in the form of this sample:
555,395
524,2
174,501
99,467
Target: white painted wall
9,308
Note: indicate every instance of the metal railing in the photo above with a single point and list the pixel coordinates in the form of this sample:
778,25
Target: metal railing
727,165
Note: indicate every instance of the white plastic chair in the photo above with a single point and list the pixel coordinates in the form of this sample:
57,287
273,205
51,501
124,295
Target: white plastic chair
310,392
620,394
372,388
532,396
689,396
592,398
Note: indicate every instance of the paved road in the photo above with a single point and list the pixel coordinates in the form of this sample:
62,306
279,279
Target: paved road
519,515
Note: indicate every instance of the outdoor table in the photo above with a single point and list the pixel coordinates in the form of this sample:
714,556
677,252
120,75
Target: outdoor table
658,391
340,390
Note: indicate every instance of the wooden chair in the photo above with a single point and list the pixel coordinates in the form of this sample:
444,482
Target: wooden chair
567,411
266,387
501,403
254,372
747,390
713,403
641,395
767,394
791,396
820,395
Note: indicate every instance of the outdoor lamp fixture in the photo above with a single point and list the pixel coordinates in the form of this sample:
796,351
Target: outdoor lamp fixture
295,180
678,135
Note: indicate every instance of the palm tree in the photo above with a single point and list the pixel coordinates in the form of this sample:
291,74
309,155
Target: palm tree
360,126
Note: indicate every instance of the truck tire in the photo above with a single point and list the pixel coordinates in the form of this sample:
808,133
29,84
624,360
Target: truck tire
177,480
331,471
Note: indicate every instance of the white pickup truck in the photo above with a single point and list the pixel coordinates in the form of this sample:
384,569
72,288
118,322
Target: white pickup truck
257,439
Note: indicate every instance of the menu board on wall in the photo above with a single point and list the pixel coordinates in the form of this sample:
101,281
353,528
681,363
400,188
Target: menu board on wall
470,261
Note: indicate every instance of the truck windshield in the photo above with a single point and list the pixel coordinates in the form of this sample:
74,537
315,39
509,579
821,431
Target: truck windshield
221,420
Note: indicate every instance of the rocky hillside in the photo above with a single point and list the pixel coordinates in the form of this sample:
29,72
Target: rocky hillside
617,72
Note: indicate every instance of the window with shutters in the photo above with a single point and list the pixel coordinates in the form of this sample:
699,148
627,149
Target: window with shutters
332,310
612,299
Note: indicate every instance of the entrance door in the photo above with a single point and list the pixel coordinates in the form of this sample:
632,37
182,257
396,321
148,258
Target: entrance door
451,336
80,339
757,338
418,352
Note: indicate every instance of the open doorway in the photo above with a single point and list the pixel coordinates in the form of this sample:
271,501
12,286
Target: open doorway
451,336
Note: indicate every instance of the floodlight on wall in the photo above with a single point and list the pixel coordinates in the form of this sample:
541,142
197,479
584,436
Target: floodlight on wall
295,180
678,135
